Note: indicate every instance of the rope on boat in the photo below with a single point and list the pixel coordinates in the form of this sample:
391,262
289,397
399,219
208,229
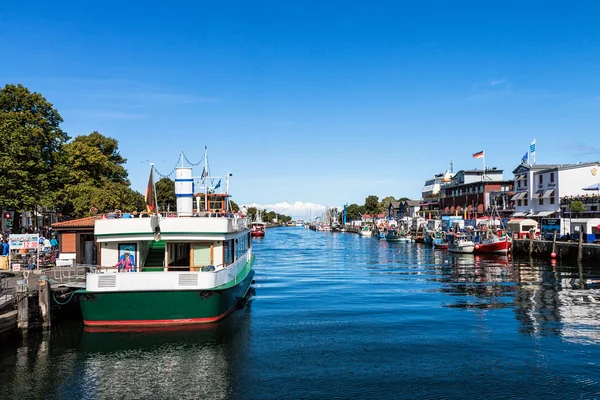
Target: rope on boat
66,302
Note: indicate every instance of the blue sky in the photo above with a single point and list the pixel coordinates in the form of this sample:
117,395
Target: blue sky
315,101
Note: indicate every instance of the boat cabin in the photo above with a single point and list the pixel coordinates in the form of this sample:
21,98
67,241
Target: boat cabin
171,243
521,228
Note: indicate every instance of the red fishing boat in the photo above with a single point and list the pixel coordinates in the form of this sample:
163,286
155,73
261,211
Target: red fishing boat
258,226
494,244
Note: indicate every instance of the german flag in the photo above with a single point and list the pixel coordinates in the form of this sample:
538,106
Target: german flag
478,154
150,193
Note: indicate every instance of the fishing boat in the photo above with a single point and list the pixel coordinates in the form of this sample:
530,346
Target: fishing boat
258,226
440,245
192,267
494,244
459,243
366,231
394,235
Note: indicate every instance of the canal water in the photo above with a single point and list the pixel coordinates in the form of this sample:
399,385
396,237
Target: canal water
336,315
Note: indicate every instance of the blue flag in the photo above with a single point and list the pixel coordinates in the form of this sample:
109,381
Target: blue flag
525,158
218,185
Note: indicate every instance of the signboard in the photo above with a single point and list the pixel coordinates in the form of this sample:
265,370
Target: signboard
26,241
16,267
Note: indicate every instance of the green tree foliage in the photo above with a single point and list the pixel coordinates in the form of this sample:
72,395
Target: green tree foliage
576,207
165,194
385,203
31,140
95,179
354,210
234,206
372,205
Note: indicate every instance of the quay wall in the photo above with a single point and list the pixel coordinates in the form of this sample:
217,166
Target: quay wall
568,250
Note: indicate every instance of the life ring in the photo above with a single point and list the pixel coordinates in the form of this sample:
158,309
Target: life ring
456,242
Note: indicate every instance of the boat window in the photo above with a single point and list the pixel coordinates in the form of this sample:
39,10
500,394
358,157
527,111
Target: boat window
228,249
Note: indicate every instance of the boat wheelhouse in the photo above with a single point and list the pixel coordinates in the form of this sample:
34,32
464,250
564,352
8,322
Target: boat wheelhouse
189,267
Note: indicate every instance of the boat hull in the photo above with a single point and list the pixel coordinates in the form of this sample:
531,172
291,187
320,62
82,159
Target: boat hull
462,249
501,247
257,233
440,246
163,308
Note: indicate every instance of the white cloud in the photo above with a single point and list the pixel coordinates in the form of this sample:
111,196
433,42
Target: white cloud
498,82
299,209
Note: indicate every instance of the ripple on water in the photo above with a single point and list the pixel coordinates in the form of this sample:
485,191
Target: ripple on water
335,315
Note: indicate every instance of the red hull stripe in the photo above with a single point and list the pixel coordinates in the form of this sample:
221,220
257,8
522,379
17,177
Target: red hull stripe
160,322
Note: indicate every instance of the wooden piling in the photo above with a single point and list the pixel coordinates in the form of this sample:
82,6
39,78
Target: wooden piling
580,247
530,242
44,300
554,243
22,305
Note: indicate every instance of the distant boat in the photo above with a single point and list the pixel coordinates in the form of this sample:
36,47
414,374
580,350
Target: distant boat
394,235
258,226
366,231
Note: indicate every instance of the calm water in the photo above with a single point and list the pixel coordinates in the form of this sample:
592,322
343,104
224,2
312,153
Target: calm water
340,316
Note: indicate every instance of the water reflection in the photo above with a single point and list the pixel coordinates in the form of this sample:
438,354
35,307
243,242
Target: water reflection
187,362
559,299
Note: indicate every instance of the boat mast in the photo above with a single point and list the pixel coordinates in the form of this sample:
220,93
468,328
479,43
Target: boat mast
205,175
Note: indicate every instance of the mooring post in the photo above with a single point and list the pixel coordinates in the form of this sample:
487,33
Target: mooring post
23,305
580,247
530,242
44,300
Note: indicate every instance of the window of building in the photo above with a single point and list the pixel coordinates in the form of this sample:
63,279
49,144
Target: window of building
541,200
525,202
552,199
551,177
525,182
541,178
519,202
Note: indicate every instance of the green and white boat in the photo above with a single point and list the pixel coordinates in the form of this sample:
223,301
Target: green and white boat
189,267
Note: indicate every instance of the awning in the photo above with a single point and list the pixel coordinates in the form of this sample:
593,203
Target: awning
544,213
548,193
518,196
518,214
539,194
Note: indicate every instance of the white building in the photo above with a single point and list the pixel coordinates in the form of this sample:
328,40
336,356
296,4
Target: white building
432,186
539,189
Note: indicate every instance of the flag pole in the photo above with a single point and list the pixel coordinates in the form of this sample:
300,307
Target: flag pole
483,166
154,187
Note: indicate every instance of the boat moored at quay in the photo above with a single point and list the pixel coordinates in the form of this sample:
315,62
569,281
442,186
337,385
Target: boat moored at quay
192,267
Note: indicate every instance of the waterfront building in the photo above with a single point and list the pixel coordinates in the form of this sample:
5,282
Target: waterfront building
433,186
546,190
76,240
475,192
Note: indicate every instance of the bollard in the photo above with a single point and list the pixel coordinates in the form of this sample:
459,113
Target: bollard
530,242
22,305
553,252
580,247
44,300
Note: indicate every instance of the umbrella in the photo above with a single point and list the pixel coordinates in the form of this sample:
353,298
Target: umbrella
595,186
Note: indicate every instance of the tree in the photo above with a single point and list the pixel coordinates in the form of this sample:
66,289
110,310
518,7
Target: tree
31,137
372,205
165,194
385,203
576,207
95,179
354,210
234,206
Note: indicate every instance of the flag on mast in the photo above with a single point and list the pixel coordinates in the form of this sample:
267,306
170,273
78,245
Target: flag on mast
532,150
150,193
478,155
525,158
